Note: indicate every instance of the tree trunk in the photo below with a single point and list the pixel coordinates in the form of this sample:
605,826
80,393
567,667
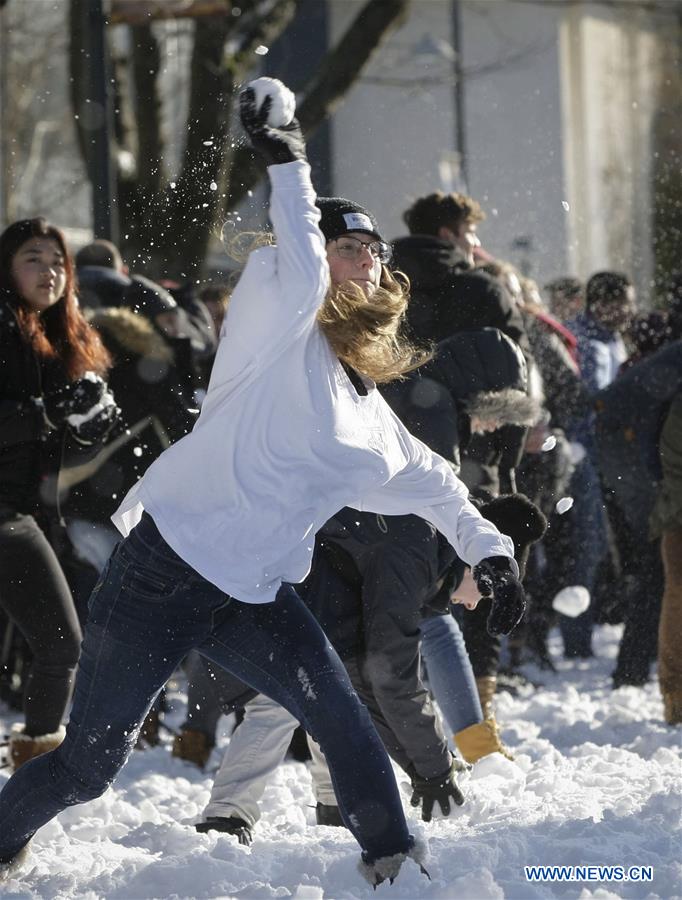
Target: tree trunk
342,66
168,229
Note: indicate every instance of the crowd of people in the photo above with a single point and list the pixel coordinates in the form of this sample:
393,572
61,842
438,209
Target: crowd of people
338,492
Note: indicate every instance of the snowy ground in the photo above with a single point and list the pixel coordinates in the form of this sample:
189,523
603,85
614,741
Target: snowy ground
598,781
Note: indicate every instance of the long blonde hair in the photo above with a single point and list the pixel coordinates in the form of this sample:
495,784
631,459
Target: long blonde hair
364,332
367,332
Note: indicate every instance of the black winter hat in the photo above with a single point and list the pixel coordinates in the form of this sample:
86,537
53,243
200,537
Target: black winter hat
341,216
517,516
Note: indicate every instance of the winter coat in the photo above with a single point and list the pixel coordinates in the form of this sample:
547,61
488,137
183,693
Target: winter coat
370,579
32,451
445,298
478,372
601,353
152,379
565,395
23,430
630,414
100,286
667,512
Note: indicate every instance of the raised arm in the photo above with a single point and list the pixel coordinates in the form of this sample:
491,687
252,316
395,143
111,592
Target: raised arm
276,135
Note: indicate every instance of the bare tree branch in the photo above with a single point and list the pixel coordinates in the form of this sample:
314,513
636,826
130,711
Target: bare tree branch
169,228
341,67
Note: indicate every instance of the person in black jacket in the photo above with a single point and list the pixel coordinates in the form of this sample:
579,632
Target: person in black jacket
630,413
447,294
476,383
52,401
155,389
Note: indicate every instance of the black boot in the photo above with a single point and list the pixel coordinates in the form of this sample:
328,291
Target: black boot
232,825
328,815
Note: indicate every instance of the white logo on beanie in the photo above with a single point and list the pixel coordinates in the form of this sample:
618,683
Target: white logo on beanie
357,222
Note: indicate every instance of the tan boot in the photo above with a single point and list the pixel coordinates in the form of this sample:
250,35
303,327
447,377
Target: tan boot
479,740
23,747
486,686
672,707
193,746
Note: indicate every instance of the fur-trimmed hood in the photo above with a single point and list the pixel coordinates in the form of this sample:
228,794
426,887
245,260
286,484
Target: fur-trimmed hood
125,331
509,407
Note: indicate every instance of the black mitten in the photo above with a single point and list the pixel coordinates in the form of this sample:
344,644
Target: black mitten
73,398
495,578
94,425
439,789
276,145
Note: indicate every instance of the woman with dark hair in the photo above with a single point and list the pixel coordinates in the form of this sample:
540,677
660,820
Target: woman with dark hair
52,396
221,525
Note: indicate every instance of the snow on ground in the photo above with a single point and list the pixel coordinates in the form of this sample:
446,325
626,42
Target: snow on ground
597,781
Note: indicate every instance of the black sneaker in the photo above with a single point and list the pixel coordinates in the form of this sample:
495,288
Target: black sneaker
229,825
328,815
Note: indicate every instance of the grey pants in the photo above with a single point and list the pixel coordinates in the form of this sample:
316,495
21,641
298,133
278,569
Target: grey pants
35,596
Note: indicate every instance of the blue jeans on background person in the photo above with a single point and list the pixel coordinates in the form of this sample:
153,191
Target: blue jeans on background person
147,611
590,546
449,672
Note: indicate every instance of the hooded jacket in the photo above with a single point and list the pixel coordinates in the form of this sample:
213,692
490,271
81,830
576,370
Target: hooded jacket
480,373
446,298
154,390
630,414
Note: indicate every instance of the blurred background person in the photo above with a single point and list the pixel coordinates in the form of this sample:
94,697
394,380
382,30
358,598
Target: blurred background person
53,404
565,297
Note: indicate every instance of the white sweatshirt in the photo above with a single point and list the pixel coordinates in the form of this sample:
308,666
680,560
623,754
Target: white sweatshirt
284,440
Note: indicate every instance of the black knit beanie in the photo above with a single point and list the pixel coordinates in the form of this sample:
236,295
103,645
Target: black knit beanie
340,216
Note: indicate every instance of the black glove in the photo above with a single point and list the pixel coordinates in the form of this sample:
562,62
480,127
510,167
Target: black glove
439,789
275,145
94,425
494,578
73,398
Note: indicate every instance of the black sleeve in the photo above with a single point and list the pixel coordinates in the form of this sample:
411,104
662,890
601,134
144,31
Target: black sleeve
396,576
21,420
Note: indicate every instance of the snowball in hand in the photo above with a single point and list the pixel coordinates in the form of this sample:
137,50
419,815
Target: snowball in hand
572,601
283,104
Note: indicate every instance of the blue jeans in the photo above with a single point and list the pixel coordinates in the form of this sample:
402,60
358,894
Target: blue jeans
589,548
449,672
147,611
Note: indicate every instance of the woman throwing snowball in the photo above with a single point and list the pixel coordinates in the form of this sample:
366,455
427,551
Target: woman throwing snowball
292,429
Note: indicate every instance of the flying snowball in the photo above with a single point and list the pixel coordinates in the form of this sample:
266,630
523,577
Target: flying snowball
572,601
564,505
283,104
549,443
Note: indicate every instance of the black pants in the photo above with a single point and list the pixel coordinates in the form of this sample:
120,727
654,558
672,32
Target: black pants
35,596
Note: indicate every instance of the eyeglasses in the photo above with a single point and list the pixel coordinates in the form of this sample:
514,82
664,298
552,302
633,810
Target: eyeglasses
351,248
